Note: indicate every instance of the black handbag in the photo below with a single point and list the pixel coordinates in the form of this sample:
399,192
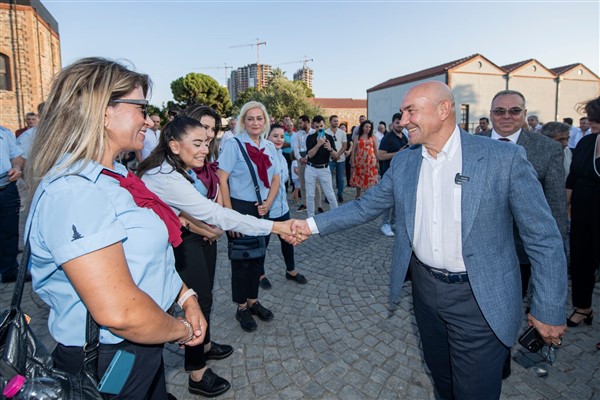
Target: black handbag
247,247
21,353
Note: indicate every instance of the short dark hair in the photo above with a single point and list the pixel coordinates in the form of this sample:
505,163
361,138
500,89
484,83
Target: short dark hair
332,117
568,121
507,92
486,119
396,116
275,126
317,119
592,109
554,129
304,118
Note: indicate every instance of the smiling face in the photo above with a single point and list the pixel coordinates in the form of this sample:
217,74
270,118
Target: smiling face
125,124
254,122
276,136
507,123
208,124
192,148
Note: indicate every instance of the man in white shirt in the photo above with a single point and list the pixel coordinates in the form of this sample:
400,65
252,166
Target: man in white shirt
150,140
361,119
534,123
584,129
338,167
456,197
300,152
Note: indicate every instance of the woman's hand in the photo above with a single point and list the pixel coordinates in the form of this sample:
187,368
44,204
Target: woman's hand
263,209
215,234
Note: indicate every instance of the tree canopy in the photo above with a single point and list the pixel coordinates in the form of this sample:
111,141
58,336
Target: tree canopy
195,88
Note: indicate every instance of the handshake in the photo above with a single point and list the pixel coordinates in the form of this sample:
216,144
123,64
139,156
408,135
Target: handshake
293,231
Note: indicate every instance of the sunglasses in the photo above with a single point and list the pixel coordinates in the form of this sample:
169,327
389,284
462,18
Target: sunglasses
511,111
142,103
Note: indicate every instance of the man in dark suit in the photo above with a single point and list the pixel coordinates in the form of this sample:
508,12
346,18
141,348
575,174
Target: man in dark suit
456,196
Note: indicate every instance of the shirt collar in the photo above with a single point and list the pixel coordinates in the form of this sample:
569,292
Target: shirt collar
450,148
513,138
87,168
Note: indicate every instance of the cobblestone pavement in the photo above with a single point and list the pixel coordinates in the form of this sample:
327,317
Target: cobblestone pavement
334,339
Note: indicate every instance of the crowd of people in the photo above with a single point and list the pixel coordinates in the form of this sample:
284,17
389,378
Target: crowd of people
124,215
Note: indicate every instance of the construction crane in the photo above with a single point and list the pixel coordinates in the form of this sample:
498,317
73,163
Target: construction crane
257,44
225,68
305,61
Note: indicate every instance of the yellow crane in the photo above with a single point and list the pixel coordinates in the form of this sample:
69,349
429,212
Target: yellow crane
257,44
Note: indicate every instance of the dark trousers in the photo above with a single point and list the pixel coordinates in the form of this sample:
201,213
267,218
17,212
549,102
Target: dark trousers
463,354
525,277
245,274
286,249
10,204
585,256
146,379
195,261
288,159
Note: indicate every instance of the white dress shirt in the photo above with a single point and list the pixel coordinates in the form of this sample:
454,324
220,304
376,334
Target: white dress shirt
437,237
513,138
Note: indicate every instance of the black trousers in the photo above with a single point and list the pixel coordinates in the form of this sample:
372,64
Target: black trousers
146,379
195,261
288,159
286,249
245,274
463,354
10,204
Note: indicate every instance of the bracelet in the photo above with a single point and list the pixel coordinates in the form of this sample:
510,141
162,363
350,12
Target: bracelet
190,333
188,293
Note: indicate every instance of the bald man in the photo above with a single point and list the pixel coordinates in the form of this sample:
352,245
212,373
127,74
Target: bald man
456,196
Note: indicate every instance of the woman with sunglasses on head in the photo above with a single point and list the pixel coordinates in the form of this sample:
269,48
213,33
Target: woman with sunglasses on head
239,193
93,249
174,172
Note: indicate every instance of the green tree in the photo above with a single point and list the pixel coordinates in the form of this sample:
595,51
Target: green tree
281,97
195,88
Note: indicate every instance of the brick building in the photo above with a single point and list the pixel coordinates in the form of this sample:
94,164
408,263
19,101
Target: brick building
29,58
347,110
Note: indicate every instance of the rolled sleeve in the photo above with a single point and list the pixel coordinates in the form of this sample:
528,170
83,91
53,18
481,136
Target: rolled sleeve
88,224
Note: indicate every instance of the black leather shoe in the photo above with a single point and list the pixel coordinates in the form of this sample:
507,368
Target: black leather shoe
265,283
589,318
298,278
261,312
218,351
211,385
245,319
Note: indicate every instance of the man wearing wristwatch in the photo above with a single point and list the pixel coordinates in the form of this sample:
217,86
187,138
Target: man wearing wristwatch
321,148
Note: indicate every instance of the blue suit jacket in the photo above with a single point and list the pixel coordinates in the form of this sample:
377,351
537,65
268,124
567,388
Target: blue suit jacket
502,188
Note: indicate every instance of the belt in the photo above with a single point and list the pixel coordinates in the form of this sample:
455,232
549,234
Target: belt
445,275
318,166
5,187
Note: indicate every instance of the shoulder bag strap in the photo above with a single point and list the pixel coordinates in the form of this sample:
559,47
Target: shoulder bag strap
249,163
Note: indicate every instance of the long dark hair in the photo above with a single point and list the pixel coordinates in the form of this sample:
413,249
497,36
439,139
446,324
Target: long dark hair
197,111
362,127
174,130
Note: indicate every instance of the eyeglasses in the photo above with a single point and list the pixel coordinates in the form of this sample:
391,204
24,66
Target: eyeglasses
512,111
549,353
142,103
207,128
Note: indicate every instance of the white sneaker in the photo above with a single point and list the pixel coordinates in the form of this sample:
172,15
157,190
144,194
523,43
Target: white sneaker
386,229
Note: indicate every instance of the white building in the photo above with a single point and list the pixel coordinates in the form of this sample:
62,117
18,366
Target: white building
552,94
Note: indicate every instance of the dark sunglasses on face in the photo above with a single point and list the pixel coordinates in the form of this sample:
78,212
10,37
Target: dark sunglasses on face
142,103
511,111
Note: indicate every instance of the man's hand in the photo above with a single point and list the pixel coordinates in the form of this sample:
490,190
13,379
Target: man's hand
300,227
552,334
193,315
14,174
303,161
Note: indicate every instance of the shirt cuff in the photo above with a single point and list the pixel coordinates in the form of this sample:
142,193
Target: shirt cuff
312,226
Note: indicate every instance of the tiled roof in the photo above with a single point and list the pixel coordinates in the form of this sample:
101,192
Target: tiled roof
426,73
339,102
512,67
564,68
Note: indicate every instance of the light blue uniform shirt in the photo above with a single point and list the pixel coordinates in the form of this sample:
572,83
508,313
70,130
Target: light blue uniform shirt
203,190
280,204
79,213
25,140
8,150
240,180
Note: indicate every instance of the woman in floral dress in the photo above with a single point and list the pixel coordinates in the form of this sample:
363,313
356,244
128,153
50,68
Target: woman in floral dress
364,161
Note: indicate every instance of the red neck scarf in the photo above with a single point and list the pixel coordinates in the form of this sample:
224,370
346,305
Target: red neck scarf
262,162
143,197
208,176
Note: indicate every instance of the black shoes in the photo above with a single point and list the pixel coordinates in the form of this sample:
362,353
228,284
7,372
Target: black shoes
211,385
261,312
589,317
298,278
218,351
265,283
244,317
340,199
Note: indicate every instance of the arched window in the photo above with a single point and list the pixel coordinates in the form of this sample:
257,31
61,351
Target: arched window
4,72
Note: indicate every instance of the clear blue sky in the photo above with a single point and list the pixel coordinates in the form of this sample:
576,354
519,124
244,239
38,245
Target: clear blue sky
355,44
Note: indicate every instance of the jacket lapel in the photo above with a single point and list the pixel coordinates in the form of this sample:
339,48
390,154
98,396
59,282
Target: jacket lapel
475,169
411,174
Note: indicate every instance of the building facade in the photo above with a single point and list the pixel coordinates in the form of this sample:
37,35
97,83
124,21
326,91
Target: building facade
347,110
551,94
305,75
29,58
246,77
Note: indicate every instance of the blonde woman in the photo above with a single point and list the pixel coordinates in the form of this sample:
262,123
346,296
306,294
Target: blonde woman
92,247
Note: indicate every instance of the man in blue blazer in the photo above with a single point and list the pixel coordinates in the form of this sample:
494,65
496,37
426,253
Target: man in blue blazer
456,197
